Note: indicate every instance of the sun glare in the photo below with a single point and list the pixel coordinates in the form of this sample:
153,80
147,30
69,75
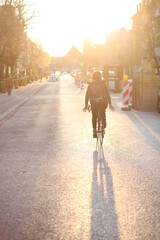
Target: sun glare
61,24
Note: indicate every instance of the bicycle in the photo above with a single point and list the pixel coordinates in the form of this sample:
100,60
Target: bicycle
99,128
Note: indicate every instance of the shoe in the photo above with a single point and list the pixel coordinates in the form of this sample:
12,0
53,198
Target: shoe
105,124
94,133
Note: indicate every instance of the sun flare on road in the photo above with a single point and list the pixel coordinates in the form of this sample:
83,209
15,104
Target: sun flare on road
61,24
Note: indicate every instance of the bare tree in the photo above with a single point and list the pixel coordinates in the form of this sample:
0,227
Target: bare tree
13,23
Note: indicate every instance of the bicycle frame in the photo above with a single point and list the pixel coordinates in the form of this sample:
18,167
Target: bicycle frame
100,129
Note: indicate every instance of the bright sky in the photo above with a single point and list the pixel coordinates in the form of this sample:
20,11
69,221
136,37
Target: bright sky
59,24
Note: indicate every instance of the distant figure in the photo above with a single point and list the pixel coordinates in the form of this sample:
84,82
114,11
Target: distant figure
9,84
98,94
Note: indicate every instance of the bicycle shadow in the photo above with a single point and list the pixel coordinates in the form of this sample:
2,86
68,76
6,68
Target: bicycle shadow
104,219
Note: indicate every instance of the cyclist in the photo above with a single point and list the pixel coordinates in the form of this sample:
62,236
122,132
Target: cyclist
98,94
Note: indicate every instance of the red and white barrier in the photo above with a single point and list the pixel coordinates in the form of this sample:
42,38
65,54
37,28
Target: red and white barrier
125,93
130,91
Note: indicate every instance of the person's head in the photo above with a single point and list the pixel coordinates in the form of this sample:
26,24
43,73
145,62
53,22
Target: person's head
96,76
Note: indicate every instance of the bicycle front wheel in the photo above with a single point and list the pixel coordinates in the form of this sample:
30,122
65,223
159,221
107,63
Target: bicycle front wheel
100,134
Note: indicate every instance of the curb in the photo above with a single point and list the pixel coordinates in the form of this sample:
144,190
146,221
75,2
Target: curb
11,111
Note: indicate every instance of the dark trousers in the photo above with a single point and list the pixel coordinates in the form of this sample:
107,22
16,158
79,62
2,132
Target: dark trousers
98,107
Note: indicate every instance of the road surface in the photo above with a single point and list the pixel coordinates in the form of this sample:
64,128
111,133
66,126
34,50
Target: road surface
55,185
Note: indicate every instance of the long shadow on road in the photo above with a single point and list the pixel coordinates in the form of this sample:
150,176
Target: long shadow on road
104,220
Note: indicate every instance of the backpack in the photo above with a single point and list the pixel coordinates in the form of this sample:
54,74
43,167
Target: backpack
98,92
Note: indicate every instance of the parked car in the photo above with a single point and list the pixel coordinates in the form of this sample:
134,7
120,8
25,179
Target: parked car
158,102
64,73
58,73
53,77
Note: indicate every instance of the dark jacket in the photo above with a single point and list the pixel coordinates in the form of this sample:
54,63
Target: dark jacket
9,82
97,92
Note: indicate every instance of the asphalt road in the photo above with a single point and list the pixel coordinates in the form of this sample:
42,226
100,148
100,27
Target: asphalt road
55,185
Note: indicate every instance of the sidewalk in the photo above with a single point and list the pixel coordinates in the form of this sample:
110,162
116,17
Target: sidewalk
10,104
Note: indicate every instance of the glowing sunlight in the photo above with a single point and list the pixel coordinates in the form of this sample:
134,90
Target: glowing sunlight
59,24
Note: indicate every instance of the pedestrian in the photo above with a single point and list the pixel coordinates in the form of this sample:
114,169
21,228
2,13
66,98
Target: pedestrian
9,84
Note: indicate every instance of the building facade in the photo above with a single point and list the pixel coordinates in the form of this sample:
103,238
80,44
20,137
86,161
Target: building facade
146,30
